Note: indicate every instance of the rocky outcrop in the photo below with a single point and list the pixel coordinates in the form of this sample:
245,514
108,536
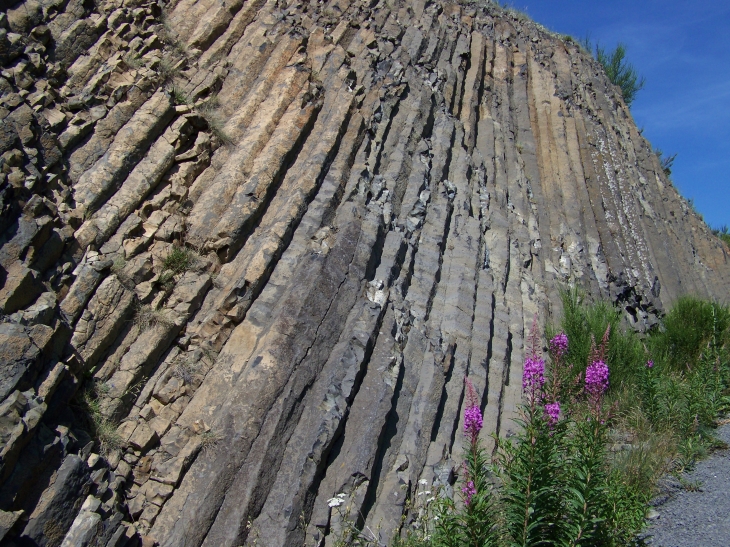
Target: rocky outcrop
250,250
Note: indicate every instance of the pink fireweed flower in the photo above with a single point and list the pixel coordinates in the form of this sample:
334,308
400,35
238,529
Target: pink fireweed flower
473,421
533,374
597,378
553,412
469,490
559,345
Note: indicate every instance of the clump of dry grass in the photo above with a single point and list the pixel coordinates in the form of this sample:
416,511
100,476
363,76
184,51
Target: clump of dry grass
146,317
209,112
209,440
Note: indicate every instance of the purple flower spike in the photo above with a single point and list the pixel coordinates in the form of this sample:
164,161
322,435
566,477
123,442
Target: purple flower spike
597,378
649,364
533,374
559,345
473,421
469,490
553,412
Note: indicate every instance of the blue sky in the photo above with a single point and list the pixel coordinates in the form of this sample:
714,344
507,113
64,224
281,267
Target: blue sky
682,47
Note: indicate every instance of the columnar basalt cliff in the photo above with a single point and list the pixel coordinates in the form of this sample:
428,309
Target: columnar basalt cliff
254,247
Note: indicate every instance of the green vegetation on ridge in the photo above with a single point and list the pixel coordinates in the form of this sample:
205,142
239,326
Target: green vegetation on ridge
723,233
618,70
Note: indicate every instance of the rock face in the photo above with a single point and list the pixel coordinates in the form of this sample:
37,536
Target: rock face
254,247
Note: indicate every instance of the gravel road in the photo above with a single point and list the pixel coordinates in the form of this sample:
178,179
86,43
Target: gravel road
698,518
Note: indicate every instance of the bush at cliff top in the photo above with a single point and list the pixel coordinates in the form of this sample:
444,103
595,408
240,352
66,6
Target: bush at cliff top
618,70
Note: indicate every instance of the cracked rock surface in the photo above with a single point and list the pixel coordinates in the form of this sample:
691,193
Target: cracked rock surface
253,247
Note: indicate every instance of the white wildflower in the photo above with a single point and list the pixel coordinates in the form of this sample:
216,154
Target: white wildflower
335,502
423,482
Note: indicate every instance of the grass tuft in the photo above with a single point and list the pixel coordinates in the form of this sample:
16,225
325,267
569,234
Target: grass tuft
146,317
118,263
180,260
168,69
134,61
209,440
103,430
179,96
171,39
185,370
209,112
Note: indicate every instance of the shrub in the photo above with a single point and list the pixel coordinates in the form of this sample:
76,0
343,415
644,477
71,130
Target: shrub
689,327
666,162
618,70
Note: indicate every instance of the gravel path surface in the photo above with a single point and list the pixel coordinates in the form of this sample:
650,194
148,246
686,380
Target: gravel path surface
697,518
